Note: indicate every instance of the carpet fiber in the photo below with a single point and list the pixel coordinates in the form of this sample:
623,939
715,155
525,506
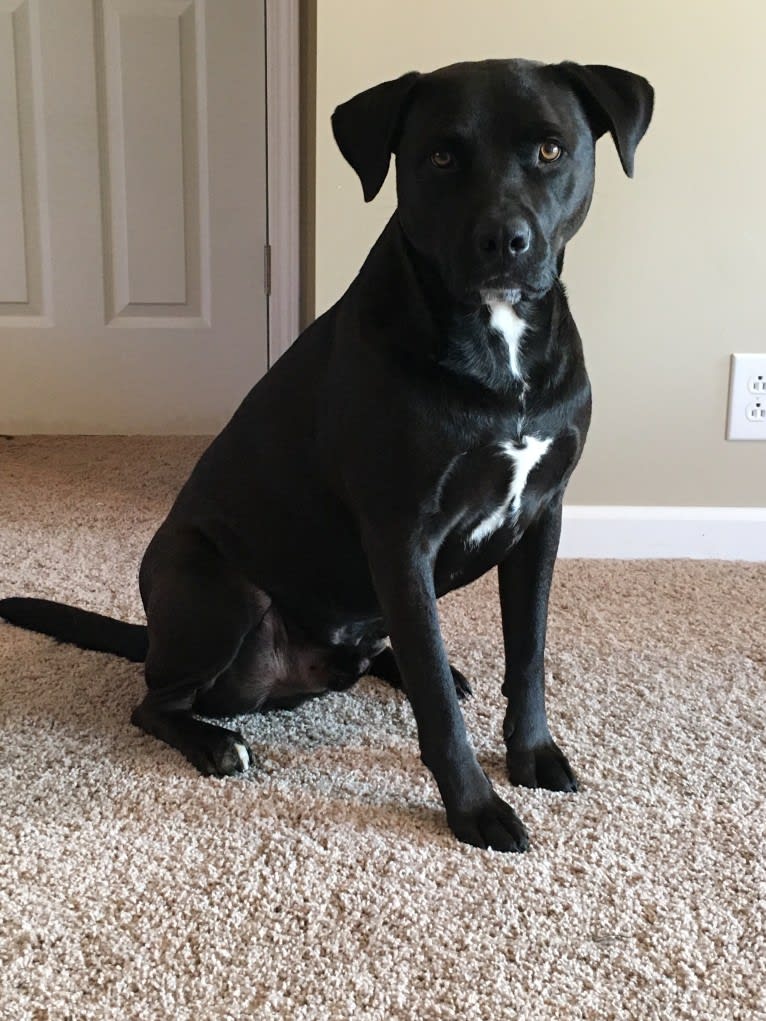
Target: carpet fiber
325,884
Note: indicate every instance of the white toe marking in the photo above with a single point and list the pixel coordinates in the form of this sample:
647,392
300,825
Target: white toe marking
244,756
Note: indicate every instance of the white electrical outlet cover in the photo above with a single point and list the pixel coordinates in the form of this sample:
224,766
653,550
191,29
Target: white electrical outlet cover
747,398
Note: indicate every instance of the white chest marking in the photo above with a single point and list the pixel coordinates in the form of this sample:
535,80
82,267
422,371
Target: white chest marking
504,320
524,458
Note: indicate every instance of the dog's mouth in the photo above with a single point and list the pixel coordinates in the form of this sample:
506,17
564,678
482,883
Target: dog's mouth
509,296
510,292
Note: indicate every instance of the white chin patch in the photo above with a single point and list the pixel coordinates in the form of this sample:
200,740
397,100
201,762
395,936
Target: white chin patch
506,297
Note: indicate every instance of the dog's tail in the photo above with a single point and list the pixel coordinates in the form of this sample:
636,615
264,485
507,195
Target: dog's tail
78,627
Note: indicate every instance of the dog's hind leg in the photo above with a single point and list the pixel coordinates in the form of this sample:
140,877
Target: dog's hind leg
199,611
385,668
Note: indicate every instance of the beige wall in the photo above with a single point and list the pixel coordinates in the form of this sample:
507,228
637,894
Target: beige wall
668,275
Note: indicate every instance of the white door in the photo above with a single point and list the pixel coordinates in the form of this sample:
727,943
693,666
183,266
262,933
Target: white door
132,213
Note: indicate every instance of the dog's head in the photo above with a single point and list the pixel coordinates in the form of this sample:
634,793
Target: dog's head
494,163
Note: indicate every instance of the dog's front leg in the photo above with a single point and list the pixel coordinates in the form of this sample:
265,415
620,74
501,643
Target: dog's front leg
533,757
402,574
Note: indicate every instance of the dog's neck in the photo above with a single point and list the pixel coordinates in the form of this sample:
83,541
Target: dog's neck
500,347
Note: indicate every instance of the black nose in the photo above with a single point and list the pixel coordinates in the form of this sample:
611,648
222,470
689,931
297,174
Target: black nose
497,239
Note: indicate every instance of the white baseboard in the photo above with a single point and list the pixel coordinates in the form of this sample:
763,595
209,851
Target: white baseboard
700,533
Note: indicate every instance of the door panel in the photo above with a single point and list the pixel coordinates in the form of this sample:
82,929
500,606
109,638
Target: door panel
133,213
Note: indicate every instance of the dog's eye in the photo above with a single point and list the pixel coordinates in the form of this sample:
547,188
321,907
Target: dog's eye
443,160
550,151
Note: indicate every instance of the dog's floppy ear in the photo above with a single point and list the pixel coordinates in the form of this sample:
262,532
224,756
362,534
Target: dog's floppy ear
365,130
616,101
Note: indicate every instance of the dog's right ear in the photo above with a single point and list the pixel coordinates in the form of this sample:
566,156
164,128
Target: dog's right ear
365,129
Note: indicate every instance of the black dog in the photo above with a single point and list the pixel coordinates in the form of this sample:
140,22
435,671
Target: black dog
419,433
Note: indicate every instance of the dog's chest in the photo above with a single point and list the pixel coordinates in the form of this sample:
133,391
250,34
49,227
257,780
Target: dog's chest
507,470
490,488
488,497
500,484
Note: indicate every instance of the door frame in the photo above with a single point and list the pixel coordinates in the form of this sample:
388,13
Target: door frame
282,259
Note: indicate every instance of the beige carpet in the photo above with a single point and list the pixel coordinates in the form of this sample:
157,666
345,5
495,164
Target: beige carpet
326,885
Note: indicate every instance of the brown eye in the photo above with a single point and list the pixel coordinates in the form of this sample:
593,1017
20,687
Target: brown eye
443,160
550,151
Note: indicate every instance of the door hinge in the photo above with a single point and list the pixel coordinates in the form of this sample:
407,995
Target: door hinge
267,270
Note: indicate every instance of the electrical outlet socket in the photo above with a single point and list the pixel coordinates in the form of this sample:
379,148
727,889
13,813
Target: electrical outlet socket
747,398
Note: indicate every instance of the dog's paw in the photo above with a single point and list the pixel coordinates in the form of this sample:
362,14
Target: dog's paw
385,668
462,687
494,826
543,765
224,754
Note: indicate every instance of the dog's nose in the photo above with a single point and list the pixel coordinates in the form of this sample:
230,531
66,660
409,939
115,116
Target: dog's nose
510,237
519,237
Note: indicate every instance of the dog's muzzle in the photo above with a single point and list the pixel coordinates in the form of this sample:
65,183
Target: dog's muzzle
510,261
